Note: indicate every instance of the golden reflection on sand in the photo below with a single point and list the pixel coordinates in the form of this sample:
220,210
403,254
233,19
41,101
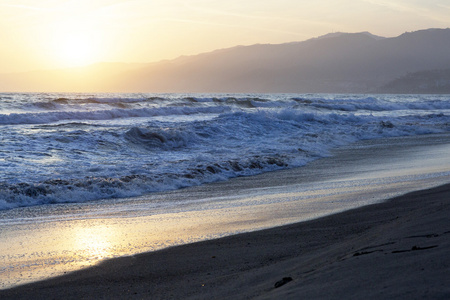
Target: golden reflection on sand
95,242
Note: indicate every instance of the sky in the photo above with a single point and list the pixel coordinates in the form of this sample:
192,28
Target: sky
54,34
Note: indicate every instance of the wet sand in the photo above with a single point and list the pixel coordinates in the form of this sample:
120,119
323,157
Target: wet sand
396,249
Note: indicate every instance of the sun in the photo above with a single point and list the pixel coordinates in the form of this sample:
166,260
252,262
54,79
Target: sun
74,50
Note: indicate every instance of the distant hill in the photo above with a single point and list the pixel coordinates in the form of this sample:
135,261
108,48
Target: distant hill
334,63
424,82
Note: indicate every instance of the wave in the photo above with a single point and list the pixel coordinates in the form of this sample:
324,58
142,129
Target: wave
332,102
374,104
129,103
164,139
52,117
97,100
94,188
76,103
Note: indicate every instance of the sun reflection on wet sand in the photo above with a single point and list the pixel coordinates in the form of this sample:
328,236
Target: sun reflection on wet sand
38,251
95,243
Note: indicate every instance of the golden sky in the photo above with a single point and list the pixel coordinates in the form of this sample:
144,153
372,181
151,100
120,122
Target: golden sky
51,34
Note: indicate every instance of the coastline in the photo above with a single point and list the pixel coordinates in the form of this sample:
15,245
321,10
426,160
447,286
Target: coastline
44,242
394,249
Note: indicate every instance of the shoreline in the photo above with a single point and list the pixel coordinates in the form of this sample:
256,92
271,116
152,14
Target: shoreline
38,243
394,249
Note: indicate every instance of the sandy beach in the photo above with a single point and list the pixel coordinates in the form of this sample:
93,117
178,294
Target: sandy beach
396,249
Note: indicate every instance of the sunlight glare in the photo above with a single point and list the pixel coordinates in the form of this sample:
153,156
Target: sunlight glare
94,243
74,50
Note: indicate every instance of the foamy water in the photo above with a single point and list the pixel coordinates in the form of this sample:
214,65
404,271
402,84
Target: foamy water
80,147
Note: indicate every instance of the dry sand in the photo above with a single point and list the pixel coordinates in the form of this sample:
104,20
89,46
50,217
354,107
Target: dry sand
399,249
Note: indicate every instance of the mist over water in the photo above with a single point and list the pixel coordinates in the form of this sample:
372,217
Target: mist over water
81,147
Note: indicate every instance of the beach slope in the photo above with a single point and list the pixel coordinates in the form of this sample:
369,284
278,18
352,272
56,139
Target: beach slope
396,249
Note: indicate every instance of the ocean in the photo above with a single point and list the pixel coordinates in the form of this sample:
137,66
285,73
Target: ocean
71,147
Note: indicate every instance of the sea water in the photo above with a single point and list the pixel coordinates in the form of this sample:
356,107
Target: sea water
60,148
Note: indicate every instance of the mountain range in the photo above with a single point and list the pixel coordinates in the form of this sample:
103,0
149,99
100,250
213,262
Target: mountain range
414,62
